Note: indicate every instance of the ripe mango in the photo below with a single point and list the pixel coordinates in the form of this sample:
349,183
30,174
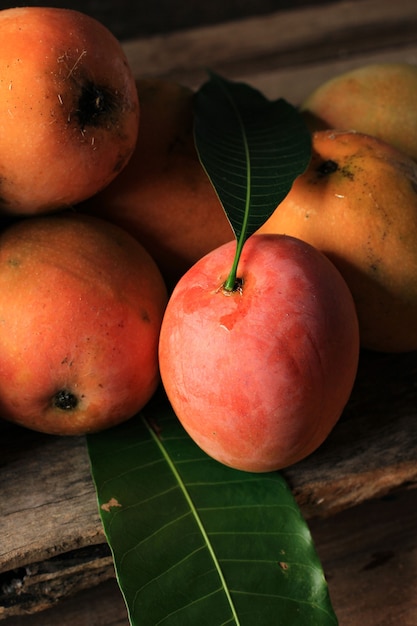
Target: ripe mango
357,203
377,99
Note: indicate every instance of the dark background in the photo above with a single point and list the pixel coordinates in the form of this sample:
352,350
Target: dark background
137,18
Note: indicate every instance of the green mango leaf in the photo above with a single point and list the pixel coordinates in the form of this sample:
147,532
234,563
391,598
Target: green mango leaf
195,542
251,148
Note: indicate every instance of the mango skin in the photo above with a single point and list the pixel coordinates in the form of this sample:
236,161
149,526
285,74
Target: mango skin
81,304
357,203
376,99
164,197
69,111
259,377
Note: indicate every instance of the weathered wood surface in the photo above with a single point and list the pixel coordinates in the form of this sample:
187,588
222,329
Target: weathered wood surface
140,19
285,53
49,507
369,555
52,543
373,448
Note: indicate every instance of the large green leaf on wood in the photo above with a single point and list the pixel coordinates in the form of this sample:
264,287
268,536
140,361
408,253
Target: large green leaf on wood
195,542
251,148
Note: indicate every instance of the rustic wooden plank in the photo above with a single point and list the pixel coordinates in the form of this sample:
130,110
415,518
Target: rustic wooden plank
102,605
369,556
48,499
368,553
268,47
39,586
373,448
296,83
139,19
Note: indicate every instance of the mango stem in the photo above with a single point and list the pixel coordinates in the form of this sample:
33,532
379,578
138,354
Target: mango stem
232,283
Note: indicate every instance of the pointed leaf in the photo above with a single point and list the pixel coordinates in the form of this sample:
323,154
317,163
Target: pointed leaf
195,542
251,148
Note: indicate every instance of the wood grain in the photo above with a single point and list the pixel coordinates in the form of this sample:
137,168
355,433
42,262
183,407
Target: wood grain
49,507
369,556
140,19
373,448
47,498
284,53
368,553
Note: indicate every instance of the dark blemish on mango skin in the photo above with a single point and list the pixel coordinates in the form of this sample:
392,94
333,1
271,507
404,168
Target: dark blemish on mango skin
65,400
327,167
98,106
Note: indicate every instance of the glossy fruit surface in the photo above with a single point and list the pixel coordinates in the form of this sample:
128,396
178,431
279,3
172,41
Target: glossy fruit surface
260,376
357,203
69,110
81,304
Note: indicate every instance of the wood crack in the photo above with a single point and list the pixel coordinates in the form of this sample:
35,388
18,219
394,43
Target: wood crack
38,586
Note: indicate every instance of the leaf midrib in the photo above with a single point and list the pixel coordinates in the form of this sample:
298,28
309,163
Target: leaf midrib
195,514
